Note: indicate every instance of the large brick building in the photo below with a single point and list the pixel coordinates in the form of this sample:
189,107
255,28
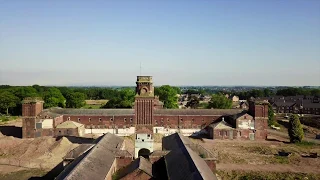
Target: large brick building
146,117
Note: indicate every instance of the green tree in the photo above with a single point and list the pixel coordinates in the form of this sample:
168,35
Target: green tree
168,95
219,101
75,100
271,119
295,129
8,100
123,99
193,103
23,92
53,98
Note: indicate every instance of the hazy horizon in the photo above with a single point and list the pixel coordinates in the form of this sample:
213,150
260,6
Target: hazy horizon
181,43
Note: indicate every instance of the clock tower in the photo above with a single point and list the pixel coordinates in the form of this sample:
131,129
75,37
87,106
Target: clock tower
144,101
144,107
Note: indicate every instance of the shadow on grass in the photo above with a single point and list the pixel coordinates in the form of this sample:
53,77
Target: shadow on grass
51,174
11,131
277,140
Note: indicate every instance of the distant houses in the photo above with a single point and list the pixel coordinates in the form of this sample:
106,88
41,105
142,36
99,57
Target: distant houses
294,104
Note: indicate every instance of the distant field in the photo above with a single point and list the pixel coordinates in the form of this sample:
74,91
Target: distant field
7,118
95,104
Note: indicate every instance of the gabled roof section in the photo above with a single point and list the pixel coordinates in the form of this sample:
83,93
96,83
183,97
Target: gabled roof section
69,124
95,163
175,141
221,125
138,164
183,163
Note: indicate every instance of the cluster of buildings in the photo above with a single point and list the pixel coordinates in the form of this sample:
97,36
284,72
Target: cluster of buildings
294,104
179,159
107,158
146,116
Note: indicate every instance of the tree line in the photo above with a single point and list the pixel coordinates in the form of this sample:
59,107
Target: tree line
290,91
74,97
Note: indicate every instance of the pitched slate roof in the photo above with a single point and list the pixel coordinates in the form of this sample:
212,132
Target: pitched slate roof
175,141
284,103
69,124
311,105
140,163
221,125
96,163
92,111
196,111
78,151
183,163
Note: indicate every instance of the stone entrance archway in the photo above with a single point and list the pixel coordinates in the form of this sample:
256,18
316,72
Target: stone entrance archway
144,153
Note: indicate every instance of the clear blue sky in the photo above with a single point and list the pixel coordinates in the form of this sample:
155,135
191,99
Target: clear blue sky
180,42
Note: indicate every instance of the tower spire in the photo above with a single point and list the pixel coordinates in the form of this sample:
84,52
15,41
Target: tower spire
140,68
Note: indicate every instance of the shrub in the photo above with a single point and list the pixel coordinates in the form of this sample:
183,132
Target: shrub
295,129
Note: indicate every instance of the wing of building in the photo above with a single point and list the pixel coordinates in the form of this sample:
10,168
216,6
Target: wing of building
147,116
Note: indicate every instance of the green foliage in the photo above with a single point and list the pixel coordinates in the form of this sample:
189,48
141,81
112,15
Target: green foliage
53,98
202,155
168,95
7,118
298,91
123,99
193,103
281,159
219,101
7,100
306,144
75,100
271,119
22,92
265,175
295,129
203,105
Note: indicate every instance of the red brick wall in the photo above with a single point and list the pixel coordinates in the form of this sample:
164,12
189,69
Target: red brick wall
261,111
102,122
47,132
122,162
28,127
144,110
184,121
66,132
57,120
137,175
32,109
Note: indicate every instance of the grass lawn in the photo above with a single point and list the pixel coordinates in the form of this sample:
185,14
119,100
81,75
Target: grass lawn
93,106
265,175
4,118
24,174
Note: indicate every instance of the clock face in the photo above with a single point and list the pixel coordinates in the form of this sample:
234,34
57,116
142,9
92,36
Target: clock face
143,91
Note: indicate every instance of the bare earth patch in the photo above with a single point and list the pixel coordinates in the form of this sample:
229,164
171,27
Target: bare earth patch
262,156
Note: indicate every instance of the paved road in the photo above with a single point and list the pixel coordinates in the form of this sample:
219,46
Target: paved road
285,135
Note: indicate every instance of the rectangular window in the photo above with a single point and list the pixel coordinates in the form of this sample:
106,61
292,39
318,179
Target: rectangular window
220,133
226,133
